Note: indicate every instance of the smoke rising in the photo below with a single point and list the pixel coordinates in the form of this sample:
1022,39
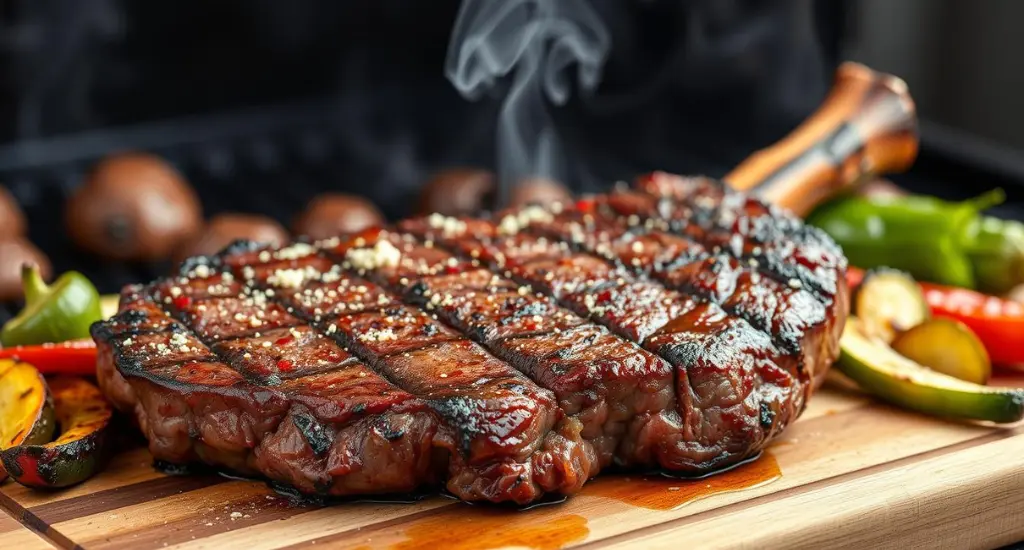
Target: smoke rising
536,44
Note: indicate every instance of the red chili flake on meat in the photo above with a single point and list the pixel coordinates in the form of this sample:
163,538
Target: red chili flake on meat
182,302
285,365
604,296
284,340
585,205
451,269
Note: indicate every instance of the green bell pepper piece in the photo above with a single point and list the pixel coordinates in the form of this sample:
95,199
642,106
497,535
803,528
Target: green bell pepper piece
53,313
948,243
996,251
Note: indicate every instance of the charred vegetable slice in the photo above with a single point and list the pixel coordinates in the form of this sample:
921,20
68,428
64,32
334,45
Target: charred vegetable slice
889,302
26,410
877,368
947,346
80,450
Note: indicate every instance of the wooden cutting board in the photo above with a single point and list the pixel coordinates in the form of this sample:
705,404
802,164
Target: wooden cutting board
15,535
851,472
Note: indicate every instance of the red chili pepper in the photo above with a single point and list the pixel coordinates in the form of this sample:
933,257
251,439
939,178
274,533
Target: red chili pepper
284,340
74,357
585,205
999,323
182,302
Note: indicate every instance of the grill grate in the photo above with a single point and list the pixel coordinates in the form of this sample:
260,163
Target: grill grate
271,164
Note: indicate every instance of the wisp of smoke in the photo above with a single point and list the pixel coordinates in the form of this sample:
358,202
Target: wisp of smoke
537,43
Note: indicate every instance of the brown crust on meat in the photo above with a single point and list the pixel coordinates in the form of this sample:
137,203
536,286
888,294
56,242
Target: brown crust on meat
679,325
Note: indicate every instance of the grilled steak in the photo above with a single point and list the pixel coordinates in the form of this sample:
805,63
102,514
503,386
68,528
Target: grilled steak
677,326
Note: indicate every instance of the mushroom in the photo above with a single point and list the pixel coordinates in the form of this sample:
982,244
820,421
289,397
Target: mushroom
539,191
12,219
333,214
458,192
133,206
224,229
14,252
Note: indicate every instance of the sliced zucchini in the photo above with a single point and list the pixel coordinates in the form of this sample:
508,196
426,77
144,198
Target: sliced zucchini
81,449
878,369
888,302
947,346
26,409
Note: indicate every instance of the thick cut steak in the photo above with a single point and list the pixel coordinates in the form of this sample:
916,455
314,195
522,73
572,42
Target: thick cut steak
678,326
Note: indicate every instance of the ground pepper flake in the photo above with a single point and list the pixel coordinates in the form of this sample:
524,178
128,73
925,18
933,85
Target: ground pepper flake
181,302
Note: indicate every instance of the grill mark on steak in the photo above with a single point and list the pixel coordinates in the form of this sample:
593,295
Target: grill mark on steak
256,336
779,245
612,385
795,319
346,429
707,211
193,407
502,424
687,333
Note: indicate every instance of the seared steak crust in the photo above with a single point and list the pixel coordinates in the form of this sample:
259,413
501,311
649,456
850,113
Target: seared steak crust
708,349
678,326
613,386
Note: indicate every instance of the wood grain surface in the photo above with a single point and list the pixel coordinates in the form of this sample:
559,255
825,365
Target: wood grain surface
850,473
15,535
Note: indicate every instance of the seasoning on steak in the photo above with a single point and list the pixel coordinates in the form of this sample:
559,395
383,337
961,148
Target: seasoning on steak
678,326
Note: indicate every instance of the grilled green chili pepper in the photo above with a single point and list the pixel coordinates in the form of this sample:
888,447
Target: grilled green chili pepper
948,243
53,313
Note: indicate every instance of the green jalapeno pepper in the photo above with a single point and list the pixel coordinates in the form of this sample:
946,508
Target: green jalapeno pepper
53,313
934,240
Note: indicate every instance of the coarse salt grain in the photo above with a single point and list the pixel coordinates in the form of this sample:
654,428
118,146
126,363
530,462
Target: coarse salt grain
383,254
295,251
374,335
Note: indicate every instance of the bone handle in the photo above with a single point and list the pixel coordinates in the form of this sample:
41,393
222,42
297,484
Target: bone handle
866,126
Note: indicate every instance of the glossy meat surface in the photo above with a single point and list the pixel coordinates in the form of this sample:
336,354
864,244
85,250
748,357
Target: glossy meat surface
708,349
610,385
678,325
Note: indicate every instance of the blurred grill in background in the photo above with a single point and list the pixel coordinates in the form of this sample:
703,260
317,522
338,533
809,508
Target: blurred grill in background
262,106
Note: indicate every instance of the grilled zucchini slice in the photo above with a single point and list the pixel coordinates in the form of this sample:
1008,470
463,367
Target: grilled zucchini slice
79,452
26,409
878,369
889,302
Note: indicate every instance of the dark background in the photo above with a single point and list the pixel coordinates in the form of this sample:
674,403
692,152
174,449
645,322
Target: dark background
264,104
